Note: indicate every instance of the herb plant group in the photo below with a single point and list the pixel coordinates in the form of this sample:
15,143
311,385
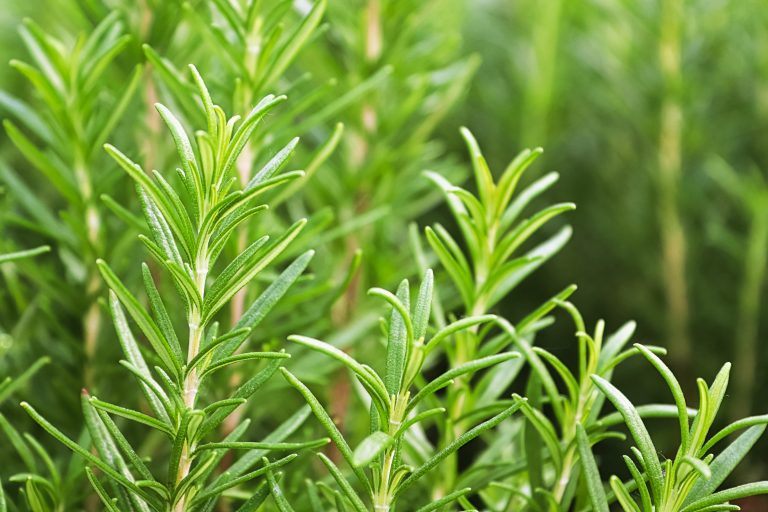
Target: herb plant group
245,369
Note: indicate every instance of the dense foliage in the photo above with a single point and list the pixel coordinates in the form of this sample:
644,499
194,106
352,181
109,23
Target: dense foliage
270,280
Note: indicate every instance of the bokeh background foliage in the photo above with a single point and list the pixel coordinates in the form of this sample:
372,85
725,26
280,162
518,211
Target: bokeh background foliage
653,112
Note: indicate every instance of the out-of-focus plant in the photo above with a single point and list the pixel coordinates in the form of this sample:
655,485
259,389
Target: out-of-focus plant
750,192
668,178
59,132
403,64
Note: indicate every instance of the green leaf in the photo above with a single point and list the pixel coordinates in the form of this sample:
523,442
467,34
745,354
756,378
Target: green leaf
645,496
108,451
294,43
677,393
733,427
179,440
454,262
9,386
132,220
527,228
79,450
263,446
110,504
236,336
483,178
130,414
346,488
562,370
18,444
172,360
327,423
370,380
51,168
50,94
154,394
412,420
168,211
445,500
457,443
246,390
466,368
533,259
218,490
220,295
275,164
92,73
268,299
237,358
370,447
245,129
160,312
285,429
423,306
537,365
645,411
277,493
118,109
591,474
400,336
734,493
639,434
722,466
622,495
545,429
26,115
45,53
509,180
258,496
457,326
696,465
180,138
330,109
135,460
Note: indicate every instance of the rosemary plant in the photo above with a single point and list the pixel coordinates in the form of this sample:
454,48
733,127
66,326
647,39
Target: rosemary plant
688,481
394,410
462,401
186,240
492,232
61,137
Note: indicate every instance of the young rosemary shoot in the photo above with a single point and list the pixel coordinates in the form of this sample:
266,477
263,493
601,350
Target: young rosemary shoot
189,226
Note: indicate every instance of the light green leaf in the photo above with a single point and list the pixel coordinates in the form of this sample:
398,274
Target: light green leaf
591,473
141,317
734,493
346,488
457,443
639,434
327,423
370,447
677,393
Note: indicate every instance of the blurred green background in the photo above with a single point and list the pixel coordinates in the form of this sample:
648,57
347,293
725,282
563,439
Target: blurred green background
654,112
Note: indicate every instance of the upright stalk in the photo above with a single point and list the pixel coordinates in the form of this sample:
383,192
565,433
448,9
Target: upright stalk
673,242
91,320
201,265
